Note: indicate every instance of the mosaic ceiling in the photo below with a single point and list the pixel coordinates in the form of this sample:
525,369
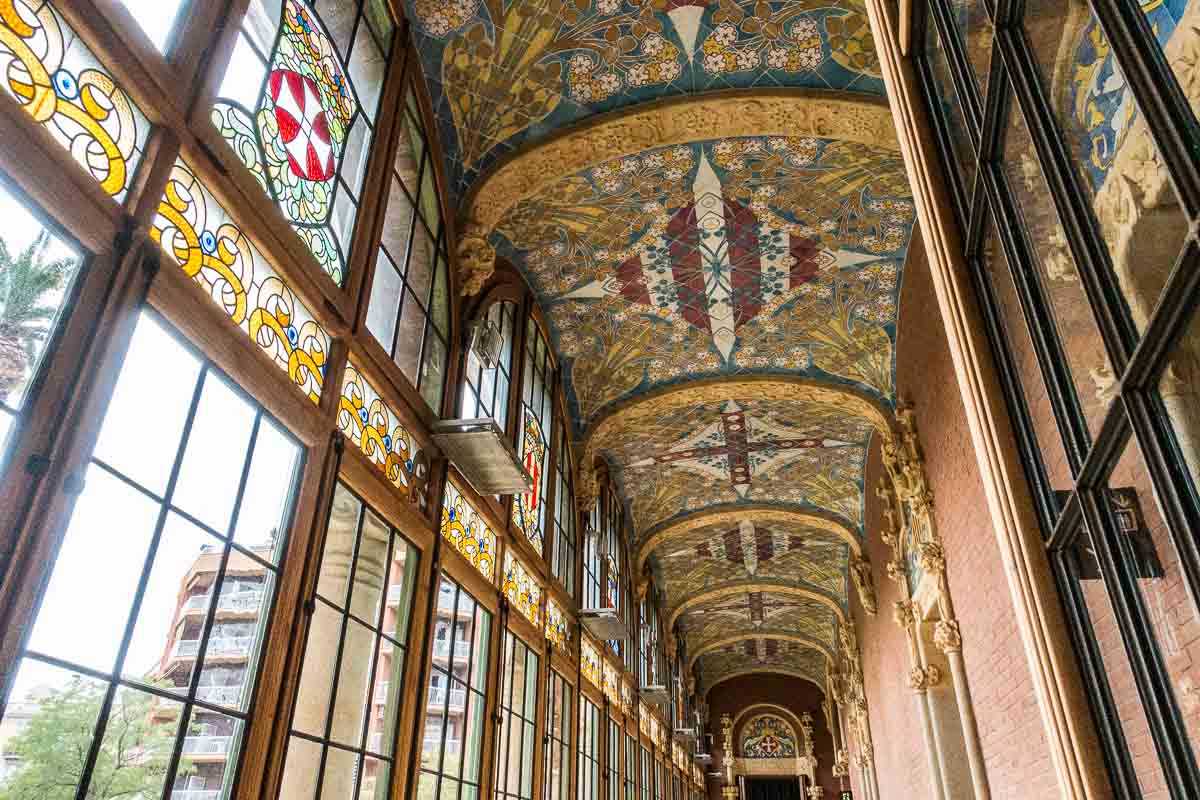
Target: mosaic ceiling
763,655
704,196
507,73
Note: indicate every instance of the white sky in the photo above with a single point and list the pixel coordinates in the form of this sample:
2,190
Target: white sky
156,17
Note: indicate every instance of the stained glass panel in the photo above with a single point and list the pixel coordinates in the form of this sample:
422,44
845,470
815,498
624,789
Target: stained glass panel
298,107
626,697
643,719
612,683
194,229
557,629
466,529
768,736
521,590
372,425
526,507
589,664
62,85
529,510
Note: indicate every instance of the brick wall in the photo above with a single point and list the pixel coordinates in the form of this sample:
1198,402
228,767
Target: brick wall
1014,745
797,696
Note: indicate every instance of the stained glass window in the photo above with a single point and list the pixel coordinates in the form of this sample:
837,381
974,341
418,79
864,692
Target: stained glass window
456,699
485,391
529,509
558,739
643,719
409,310
516,721
626,697
768,736
378,432
37,271
157,19
62,85
589,664
521,589
565,540
592,593
466,529
588,777
558,631
184,515
344,731
298,106
195,230
612,683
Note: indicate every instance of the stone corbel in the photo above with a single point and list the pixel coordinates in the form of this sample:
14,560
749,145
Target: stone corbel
476,258
864,582
904,614
921,679
947,636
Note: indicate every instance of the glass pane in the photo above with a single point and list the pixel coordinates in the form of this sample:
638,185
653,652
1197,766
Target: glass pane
975,27
409,338
353,689
300,769
433,375
341,767
37,269
950,107
295,115
1020,347
89,113
1073,320
1147,544
156,18
1119,675
210,741
266,502
1118,167
409,149
316,676
385,301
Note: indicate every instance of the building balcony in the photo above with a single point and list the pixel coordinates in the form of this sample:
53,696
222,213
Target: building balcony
441,649
437,697
232,646
201,746
222,695
231,602
381,693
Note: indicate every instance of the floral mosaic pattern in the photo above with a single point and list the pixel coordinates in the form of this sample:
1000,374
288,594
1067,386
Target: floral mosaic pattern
726,552
558,630
505,72
521,590
307,117
740,451
195,230
764,654
466,529
376,429
719,258
768,736
589,664
62,85
767,613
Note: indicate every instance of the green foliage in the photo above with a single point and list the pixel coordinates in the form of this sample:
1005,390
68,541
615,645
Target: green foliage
53,748
26,318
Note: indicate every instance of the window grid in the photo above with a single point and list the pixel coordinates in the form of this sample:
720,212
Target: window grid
456,698
612,759
557,758
591,558
613,545
383,588
1138,324
537,401
485,391
631,768
647,777
588,786
565,540
177,519
518,703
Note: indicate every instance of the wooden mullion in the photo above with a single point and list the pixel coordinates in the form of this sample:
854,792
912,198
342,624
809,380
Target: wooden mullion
214,61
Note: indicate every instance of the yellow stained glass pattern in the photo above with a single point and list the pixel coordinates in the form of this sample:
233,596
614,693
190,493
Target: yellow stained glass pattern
589,663
464,528
643,719
62,85
612,683
378,432
195,230
521,590
626,697
557,629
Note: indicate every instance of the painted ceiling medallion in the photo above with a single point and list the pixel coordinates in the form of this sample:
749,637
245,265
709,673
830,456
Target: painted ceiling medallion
721,257
507,72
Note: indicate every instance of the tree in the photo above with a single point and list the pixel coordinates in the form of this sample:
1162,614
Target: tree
53,747
25,317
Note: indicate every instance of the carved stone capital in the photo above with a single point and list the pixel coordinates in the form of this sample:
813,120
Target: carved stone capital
947,636
932,558
476,258
918,681
904,614
864,582
933,675
897,570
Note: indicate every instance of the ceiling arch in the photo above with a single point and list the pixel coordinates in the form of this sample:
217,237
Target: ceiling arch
718,644
751,588
735,515
762,655
708,686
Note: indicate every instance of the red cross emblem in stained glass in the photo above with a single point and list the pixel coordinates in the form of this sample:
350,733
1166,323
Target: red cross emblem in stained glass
303,126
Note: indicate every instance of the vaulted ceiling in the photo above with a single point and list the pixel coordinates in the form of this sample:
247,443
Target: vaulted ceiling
707,199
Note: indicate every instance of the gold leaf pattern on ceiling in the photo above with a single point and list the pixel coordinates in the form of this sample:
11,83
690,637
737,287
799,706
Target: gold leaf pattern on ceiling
762,654
713,620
